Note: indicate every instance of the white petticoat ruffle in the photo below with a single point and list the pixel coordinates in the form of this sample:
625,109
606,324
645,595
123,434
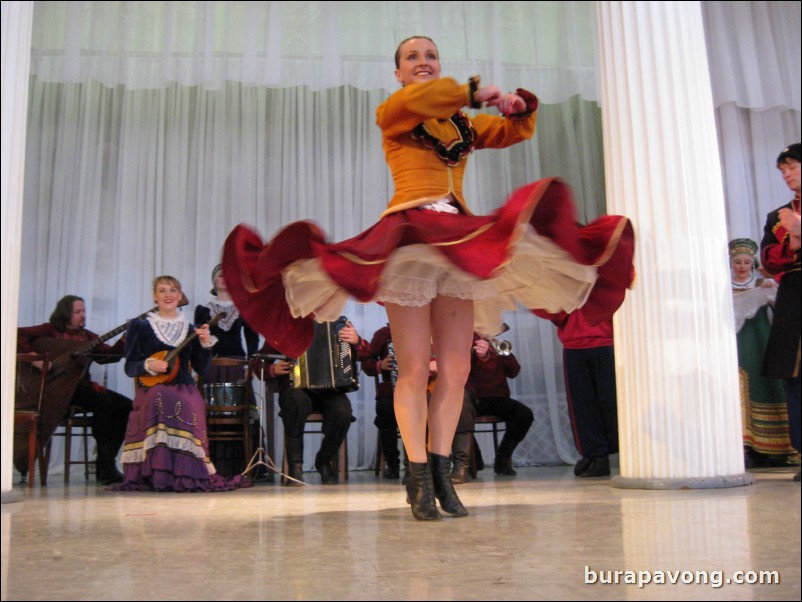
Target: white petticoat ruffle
539,275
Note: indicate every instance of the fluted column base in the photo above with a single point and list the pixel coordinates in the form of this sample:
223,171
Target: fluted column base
9,497
717,482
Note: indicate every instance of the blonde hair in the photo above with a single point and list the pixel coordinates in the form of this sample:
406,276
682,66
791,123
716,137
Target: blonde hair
168,279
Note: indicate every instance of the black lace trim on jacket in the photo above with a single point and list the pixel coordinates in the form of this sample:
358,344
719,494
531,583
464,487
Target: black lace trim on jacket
455,150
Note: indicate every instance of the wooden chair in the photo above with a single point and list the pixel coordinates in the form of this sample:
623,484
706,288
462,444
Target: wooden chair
480,426
29,391
78,423
339,464
226,421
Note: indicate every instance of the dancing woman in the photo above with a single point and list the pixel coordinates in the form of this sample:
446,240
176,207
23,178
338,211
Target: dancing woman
440,271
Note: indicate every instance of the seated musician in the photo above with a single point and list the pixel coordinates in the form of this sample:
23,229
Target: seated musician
166,448
230,333
379,359
297,403
487,393
109,409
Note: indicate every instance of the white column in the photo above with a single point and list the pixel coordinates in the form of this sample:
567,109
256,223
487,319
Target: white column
676,357
17,23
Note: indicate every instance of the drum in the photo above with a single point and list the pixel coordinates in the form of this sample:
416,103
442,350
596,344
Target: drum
225,394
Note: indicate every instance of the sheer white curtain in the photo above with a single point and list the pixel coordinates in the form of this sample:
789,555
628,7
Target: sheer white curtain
754,51
549,46
155,127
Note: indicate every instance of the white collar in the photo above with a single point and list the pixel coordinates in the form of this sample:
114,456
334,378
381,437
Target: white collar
170,331
232,313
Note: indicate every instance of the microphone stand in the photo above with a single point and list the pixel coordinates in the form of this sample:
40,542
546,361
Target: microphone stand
260,456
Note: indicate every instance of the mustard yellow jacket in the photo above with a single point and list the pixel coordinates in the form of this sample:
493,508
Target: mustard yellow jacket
419,174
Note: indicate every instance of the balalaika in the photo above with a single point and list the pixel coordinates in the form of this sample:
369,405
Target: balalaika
328,363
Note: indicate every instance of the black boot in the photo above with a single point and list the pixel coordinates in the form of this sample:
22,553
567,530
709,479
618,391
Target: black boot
106,464
480,461
599,467
389,443
461,455
420,492
323,466
405,478
503,466
443,488
296,472
581,466
295,461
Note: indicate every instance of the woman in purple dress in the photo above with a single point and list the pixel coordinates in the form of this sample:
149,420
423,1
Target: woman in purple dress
166,447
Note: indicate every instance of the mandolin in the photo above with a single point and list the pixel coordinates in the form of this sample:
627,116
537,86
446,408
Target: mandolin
171,357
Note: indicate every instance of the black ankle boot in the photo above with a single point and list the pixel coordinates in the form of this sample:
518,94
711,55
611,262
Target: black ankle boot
443,488
503,466
294,448
461,455
392,471
323,466
109,476
296,473
581,466
599,467
420,492
106,464
389,445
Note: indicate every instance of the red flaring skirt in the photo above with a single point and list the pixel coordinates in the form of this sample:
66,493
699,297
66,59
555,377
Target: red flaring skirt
529,252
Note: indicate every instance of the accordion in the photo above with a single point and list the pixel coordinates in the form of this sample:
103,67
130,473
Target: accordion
328,363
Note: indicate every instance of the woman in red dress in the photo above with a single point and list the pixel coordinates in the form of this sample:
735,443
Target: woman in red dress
440,271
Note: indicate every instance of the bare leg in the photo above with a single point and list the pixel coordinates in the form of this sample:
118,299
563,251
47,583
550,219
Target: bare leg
411,332
452,335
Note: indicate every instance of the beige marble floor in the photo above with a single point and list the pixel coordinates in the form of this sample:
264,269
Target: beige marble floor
543,535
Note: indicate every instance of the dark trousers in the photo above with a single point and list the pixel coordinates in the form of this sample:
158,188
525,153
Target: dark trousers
516,416
109,414
387,424
109,420
297,404
385,414
590,386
